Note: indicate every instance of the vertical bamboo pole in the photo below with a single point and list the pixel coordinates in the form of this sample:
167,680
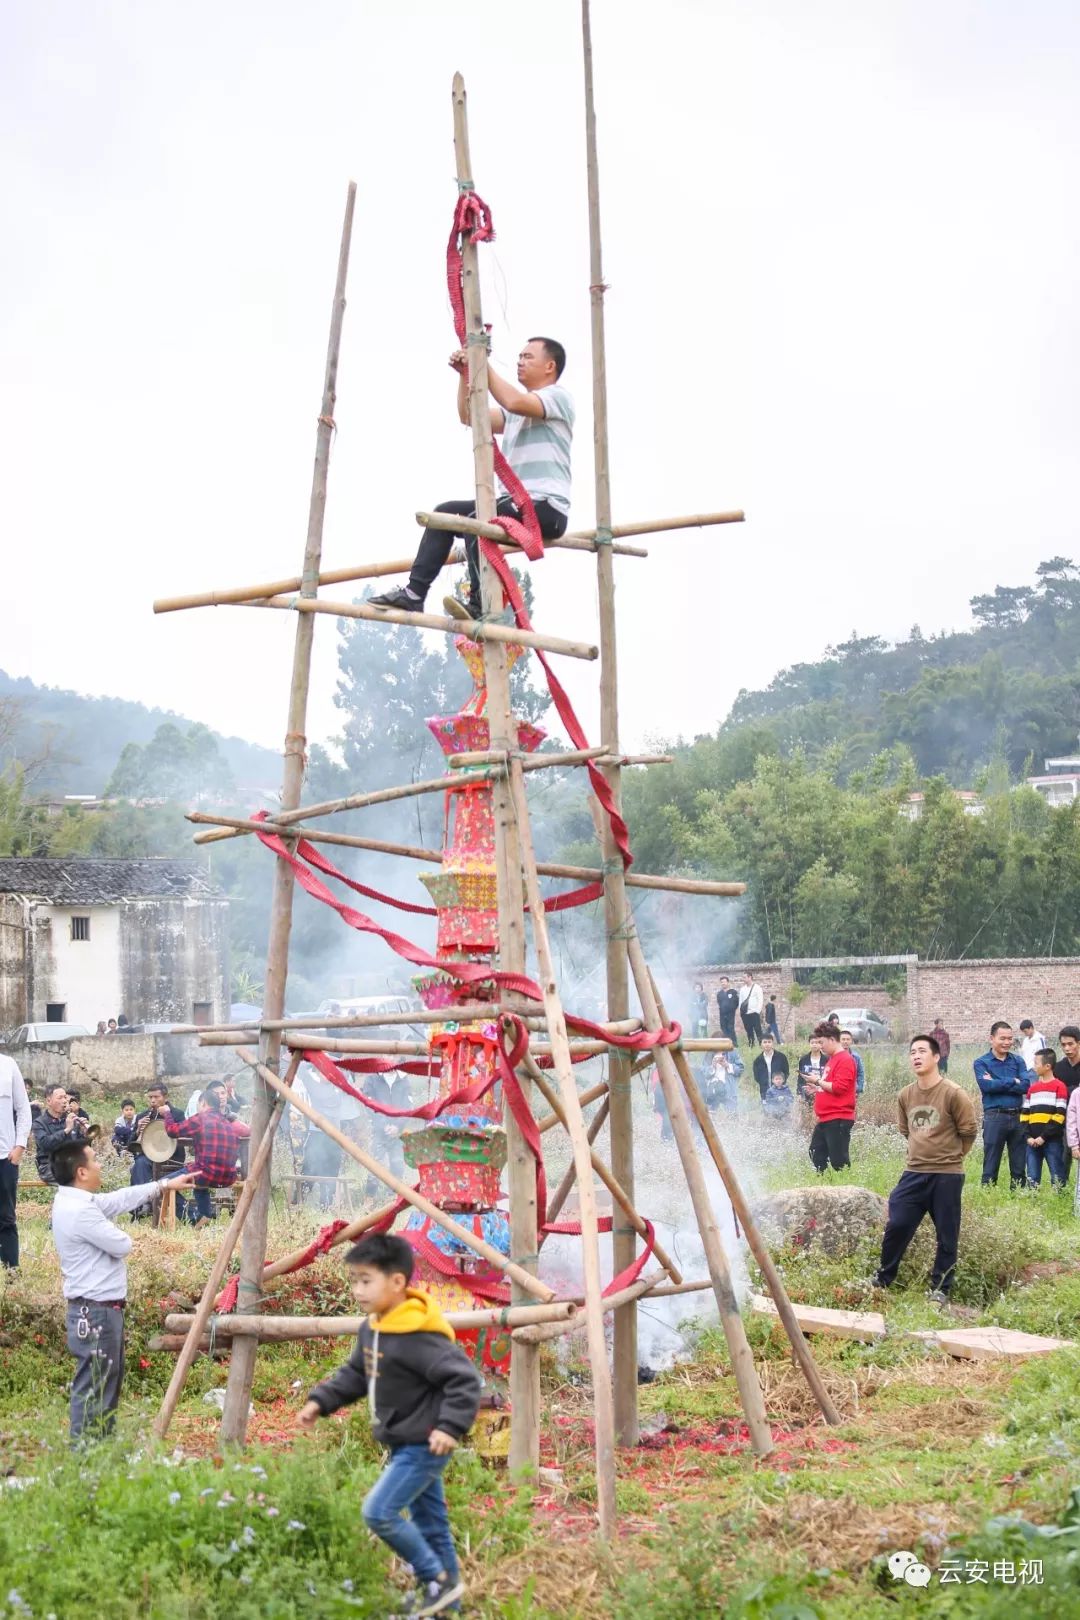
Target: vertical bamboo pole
603,1407
521,1173
253,1251
617,915
742,1360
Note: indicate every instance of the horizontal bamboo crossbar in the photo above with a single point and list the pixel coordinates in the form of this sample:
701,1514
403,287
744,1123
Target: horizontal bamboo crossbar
466,1013
416,852
585,540
490,531
549,1121
284,1328
474,629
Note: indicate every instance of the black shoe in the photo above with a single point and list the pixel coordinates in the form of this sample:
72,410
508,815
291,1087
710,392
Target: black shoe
398,599
457,609
432,1597
937,1296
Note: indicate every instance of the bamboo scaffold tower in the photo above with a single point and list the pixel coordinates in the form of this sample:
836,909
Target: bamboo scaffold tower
520,1023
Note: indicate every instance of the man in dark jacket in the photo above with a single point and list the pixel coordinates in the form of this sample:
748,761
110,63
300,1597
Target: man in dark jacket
767,1063
55,1124
727,1001
423,1393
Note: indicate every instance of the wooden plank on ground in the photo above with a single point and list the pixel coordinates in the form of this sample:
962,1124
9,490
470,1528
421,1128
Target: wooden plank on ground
991,1343
864,1325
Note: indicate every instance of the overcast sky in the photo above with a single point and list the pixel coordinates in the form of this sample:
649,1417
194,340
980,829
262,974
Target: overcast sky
842,243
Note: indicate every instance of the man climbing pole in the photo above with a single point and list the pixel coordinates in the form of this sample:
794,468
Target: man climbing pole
536,424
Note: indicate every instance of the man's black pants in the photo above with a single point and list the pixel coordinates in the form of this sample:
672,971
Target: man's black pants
1002,1130
437,544
917,1194
752,1026
727,1028
830,1144
9,1232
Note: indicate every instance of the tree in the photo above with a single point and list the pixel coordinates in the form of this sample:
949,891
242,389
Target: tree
174,765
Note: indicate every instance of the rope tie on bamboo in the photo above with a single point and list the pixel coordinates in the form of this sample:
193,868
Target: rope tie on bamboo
604,536
599,286
611,865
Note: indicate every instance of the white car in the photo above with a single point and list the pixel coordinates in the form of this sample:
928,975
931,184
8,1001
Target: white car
36,1034
863,1022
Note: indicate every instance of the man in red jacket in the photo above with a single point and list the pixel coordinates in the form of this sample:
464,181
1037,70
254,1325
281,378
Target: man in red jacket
834,1103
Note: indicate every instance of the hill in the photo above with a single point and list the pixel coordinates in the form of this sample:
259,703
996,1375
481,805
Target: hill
1007,689
88,734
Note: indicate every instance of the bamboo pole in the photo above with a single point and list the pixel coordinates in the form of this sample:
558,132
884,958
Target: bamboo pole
279,587
530,762
617,914
502,736
303,1041
742,1360
234,1417
603,1406
196,1324
698,520
533,1286
416,852
479,630
281,1329
563,1190
773,1280
348,1234
549,1121
618,1196
583,540
459,1013
544,1332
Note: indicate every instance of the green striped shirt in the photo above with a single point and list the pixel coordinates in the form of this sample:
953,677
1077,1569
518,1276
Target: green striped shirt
538,447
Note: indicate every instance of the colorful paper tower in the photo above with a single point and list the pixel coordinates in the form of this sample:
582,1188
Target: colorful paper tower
460,1155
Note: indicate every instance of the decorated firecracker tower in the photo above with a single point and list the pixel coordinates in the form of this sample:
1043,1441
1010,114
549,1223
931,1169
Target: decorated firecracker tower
460,1155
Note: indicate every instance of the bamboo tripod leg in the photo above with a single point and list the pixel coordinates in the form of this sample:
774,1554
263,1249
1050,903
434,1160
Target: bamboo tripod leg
502,737
204,1309
562,1191
623,1238
234,1418
773,1280
742,1360
603,1405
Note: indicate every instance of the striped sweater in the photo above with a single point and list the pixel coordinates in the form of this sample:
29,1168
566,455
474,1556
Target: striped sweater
1043,1110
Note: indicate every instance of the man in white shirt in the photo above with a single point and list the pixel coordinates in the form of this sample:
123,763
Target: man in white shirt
751,1001
93,1264
15,1120
1031,1041
535,422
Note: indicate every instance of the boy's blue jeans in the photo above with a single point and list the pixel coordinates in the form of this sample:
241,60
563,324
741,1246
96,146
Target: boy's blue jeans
1053,1154
413,1479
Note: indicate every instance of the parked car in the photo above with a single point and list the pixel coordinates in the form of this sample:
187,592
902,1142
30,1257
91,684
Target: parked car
864,1023
35,1034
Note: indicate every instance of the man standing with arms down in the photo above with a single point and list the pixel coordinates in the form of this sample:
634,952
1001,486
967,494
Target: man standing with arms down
1003,1080
536,423
938,1119
751,1001
834,1104
727,1002
15,1120
93,1263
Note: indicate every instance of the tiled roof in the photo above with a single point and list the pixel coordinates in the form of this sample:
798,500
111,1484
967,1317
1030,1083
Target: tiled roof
102,882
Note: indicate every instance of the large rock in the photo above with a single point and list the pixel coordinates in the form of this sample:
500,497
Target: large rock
834,1219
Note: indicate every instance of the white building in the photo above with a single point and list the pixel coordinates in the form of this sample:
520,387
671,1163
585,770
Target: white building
84,940
1060,782
915,803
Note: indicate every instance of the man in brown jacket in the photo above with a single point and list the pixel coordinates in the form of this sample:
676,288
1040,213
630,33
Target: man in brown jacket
938,1119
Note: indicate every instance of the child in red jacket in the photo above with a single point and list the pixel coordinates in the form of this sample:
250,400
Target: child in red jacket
834,1103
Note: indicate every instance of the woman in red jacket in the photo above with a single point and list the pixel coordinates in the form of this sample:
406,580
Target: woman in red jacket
834,1103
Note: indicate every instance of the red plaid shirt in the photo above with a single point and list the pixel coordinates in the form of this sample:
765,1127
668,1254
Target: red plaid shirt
216,1142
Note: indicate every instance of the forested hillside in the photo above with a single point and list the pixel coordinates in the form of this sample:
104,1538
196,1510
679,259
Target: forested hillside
85,736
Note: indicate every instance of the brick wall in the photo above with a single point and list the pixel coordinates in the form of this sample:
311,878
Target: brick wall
967,996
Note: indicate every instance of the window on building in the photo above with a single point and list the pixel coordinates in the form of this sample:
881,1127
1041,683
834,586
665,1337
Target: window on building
80,928
56,1012
203,1012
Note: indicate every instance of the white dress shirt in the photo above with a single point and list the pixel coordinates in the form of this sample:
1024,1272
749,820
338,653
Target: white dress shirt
1029,1046
93,1252
15,1116
751,998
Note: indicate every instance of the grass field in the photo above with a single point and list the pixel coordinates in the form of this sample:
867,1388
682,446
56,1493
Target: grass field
965,1464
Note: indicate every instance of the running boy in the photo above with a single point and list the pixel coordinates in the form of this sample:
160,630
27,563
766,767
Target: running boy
423,1393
